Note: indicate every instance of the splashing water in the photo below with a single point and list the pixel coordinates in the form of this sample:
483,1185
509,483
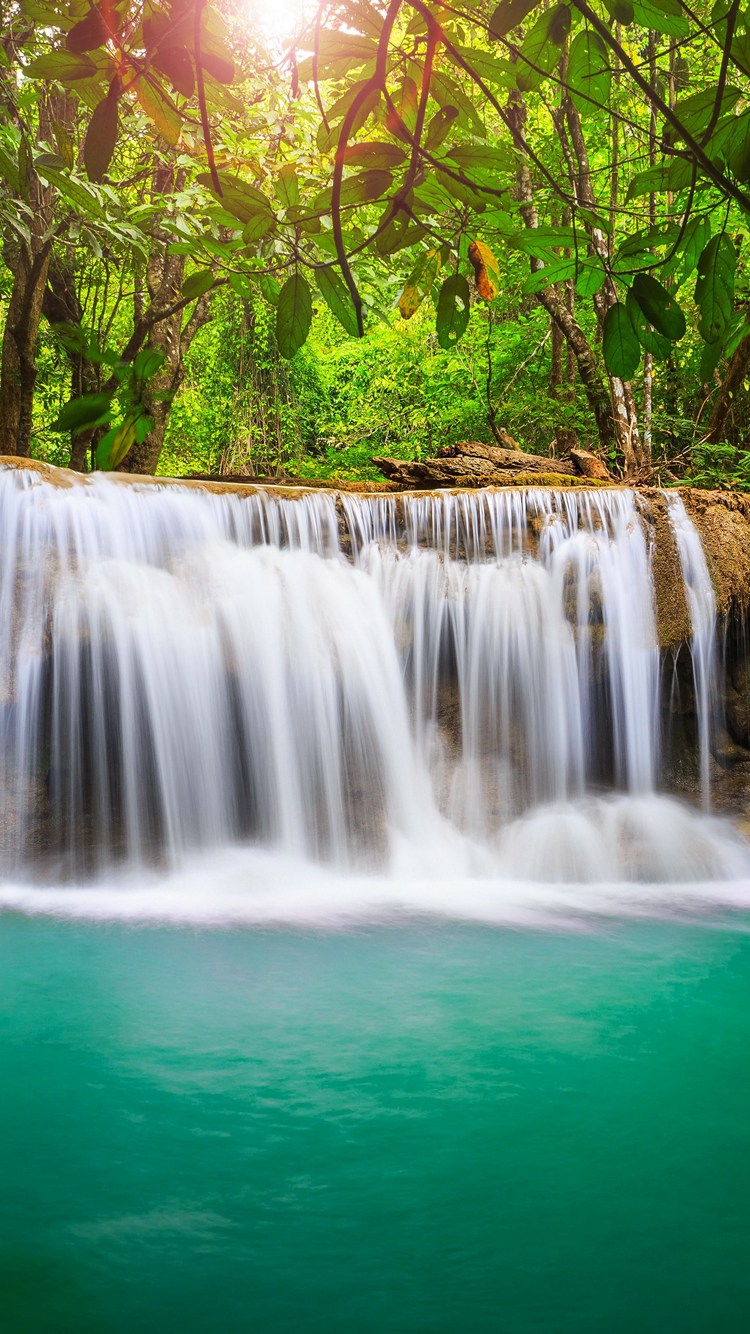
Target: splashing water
308,706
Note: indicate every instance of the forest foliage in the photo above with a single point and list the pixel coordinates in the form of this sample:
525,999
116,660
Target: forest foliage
395,226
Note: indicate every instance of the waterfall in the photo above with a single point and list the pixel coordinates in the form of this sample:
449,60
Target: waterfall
703,648
442,685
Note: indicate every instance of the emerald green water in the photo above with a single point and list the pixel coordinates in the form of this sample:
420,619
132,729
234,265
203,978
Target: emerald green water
416,1129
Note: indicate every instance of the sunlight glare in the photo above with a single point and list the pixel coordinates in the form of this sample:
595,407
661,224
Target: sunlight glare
279,20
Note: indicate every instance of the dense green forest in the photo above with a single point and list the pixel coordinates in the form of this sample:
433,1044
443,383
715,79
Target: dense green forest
280,239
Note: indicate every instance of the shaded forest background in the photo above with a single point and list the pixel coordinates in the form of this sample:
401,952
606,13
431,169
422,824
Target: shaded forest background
536,214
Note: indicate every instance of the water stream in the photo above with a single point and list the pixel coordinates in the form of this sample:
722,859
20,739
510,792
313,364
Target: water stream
448,701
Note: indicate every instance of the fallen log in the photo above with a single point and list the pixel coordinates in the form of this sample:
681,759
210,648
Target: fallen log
472,463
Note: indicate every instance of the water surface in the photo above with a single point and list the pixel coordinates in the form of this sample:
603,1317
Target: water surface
416,1128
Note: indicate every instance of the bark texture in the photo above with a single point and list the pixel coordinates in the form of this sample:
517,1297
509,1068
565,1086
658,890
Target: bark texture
476,464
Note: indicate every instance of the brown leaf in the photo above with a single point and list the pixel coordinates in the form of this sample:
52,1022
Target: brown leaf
175,62
221,67
486,270
410,301
89,34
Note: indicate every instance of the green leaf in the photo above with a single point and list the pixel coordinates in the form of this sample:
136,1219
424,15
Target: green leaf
439,127
113,446
594,220
659,307
53,170
621,348
508,15
695,239
147,362
490,68
664,16
472,158
9,169
621,11
143,427
649,339
710,358
327,139
293,315
241,284
101,138
258,227
453,310
86,411
741,51
466,193
540,51
447,93
589,73
696,111
337,297
269,287
673,175
65,66
64,144
286,186
160,110
338,53
714,287
239,198
365,187
730,143
590,277
557,271
735,333
647,240
540,240
396,231
197,284
376,155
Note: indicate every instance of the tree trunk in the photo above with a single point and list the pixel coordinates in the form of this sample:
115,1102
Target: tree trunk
556,359
608,418
733,377
61,305
624,410
164,277
28,261
18,371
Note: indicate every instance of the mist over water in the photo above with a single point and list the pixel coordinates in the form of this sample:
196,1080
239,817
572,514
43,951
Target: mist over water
270,707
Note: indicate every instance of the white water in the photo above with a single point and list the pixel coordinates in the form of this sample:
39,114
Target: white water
701,602
212,712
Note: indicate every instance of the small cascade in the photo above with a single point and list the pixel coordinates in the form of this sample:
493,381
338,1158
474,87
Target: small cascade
701,602
442,685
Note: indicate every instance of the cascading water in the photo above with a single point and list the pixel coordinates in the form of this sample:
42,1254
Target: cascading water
703,647
453,690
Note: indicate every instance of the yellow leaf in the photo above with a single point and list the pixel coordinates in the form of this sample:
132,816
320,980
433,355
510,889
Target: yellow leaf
409,301
486,270
164,116
419,283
